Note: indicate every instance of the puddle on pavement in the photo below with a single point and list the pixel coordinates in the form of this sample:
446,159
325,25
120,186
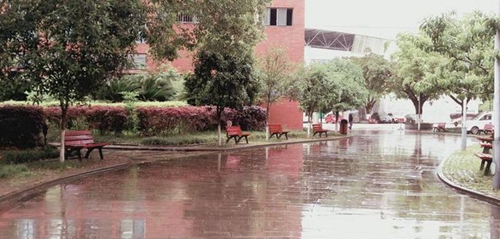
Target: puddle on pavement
370,186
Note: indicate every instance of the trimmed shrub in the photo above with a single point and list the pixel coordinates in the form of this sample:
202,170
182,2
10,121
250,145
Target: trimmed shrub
107,119
76,117
22,126
252,118
172,120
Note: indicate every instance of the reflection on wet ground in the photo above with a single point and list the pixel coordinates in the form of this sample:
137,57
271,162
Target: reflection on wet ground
374,185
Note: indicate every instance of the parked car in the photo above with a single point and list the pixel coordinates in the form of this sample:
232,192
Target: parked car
476,125
386,119
411,118
398,119
330,118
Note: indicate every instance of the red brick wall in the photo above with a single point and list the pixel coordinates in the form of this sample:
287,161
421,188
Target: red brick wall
287,113
290,38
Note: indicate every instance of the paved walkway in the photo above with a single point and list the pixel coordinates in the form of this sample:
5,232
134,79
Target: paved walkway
378,184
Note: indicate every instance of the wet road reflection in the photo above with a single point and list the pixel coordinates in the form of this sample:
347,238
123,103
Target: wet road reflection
375,185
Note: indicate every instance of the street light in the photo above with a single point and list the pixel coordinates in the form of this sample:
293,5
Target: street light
496,114
464,123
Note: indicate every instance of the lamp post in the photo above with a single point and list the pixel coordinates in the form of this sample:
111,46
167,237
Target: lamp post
496,115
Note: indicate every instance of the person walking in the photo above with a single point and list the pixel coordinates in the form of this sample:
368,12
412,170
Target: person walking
350,121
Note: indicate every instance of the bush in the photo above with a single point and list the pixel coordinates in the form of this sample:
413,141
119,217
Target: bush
22,126
252,118
27,156
76,117
107,119
172,120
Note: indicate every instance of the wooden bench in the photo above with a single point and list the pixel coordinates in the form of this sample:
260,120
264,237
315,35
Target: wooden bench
485,139
486,147
277,129
488,129
76,140
318,129
236,133
440,127
485,159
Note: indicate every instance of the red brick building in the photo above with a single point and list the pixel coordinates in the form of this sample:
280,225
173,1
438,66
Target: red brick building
285,28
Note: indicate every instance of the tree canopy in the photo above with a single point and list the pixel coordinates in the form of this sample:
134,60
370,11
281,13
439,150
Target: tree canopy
68,49
466,44
377,72
224,75
335,86
412,67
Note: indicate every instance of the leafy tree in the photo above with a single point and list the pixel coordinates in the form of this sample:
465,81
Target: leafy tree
226,33
377,72
467,45
334,86
163,33
312,84
222,81
14,90
68,49
412,66
346,86
274,78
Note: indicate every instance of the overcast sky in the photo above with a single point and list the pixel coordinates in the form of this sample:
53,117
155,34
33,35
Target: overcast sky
384,18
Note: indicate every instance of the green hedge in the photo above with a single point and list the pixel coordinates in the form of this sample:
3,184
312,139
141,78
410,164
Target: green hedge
27,156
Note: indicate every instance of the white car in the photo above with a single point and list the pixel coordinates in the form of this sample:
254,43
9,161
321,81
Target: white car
476,125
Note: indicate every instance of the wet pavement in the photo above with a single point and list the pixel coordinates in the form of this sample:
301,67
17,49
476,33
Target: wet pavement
377,184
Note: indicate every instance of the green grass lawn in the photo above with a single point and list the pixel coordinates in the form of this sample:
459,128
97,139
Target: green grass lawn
462,167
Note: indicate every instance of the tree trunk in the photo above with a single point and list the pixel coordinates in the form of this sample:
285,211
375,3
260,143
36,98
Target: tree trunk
62,150
219,134
268,109
219,126
369,105
336,121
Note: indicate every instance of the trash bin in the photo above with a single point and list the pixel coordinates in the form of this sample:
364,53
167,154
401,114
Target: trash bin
344,126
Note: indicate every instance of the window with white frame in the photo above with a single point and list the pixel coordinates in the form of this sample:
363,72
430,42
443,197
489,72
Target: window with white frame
184,18
278,17
139,61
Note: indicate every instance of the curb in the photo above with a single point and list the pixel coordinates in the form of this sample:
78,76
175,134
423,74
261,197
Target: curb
26,193
215,149
470,192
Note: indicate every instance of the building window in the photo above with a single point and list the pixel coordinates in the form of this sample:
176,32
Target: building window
278,17
139,61
141,38
184,18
